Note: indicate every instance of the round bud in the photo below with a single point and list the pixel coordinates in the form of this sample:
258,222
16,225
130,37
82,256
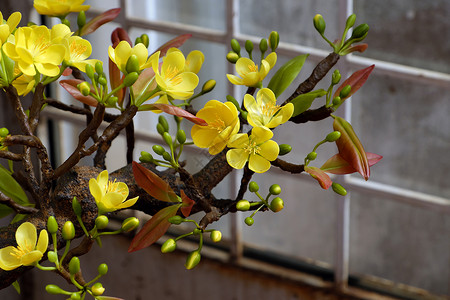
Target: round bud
53,289
337,101
99,67
89,71
311,156
76,206
146,157
360,32
75,296
132,64
181,136
169,246
333,136
166,155
84,88
319,23
284,149
74,265
4,132
197,231
52,256
249,221
338,189
158,149
193,259
244,115
253,187
102,81
163,121
235,46
263,45
112,101
102,269
145,40
345,91
81,19
248,46
336,77
130,79
216,236
274,40
167,138
52,225
68,231
243,205
129,224
101,222
208,86
232,57
276,204
160,129
177,220
138,40
97,289
66,22
275,189
350,21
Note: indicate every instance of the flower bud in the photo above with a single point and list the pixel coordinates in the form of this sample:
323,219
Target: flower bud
169,246
333,136
208,86
52,225
336,77
336,101
53,289
350,21
311,156
101,222
166,155
102,81
163,121
129,224
284,149
132,64
158,149
66,22
244,115
102,269
99,67
68,231
232,57
138,40
181,136
146,157
160,128
112,101
248,46
249,221
89,71
74,265
277,204
52,256
345,91
75,296
167,138
253,187
338,189
274,40
4,132
145,40
76,206
319,23
130,79
97,289
176,220
193,259
243,205
216,236
81,19
197,231
275,189
360,32
235,46
263,46
84,88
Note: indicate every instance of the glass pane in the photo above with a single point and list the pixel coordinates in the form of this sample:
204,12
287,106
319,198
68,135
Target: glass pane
204,13
408,124
413,32
399,242
291,18
103,4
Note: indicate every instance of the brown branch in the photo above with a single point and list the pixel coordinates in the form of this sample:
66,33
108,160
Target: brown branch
288,167
318,114
10,155
36,106
22,117
20,209
70,108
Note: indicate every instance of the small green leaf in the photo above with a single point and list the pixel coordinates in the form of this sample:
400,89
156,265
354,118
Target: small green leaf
16,286
5,210
304,101
286,74
10,187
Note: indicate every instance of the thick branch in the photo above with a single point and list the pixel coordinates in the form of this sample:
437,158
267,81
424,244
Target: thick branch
289,167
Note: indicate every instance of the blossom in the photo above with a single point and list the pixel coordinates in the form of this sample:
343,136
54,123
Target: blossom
6,28
123,51
172,78
27,252
59,8
264,111
33,49
194,60
109,195
223,122
258,149
24,83
250,73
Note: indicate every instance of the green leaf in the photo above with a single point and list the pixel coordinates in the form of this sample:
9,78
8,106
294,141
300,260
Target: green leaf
5,210
304,101
16,286
10,187
286,74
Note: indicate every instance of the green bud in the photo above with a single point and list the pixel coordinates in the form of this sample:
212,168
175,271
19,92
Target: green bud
208,86
112,101
232,57
162,120
160,129
333,136
216,236
181,136
275,189
360,32
130,79
95,77
235,46
4,132
169,246
97,289
76,206
243,205
276,204
74,265
234,101
53,289
99,67
336,77
263,46
193,259
350,21
274,40
81,19
84,88
102,81
248,46
158,149
319,23
345,91
336,101
249,221
129,224
138,40
102,269
253,187
284,149
197,231
311,156
177,220
145,40
89,71
166,155
68,231
52,256
66,22
244,115
52,225
101,222
338,189
75,296
132,64
167,138
146,157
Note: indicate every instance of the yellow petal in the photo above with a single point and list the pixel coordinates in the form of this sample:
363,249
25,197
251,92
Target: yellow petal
234,79
203,137
239,140
7,261
128,203
258,164
237,158
271,59
26,236
42,243
261,134
95,189
14,20
269,150
252,79
194,61
141,52
245,65
31,257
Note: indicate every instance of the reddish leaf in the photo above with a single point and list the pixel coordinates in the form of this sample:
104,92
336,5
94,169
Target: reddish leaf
357,48
174,110
319,175
144,83
153,184
115,80
99,20
67,72
154,228
356,81
173,43
188,203
338,165
350,147
119,34
70,85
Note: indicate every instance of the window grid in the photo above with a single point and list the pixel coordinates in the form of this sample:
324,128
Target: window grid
388,192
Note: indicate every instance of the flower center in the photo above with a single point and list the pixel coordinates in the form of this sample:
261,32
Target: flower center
269,109
252,148
218,125
19,251
170,75
40,45
113,187
252,68
77,49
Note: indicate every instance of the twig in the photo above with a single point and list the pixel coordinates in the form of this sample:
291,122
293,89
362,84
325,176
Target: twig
318,114
36,106
288,167
20,209
10,155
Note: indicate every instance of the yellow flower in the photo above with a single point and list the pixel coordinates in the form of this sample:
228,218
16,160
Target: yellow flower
33,49
223,122
24,83
6,28
264,111
59,8
258,149
27,251
123,51
250,74
194,60
172,78
109,195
